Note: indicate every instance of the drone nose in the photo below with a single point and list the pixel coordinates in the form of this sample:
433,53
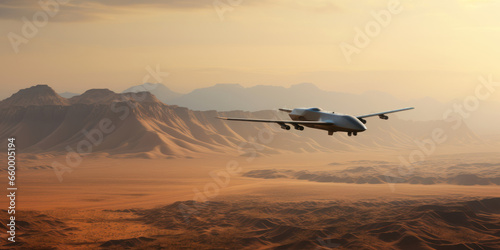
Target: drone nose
356,124
361,127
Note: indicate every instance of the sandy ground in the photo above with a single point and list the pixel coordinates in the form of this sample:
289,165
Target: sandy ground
136,203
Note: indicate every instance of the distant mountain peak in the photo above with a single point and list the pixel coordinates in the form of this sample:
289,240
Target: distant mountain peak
40,94
159,90
307,85
232,85
143,96
40,89
98,92
146,87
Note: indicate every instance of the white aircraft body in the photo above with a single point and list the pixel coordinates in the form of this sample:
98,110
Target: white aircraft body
319,119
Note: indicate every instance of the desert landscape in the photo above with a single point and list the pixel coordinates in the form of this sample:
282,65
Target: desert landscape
255,125
126,171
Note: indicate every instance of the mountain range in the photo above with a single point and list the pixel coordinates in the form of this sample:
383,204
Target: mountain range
139,125
483,119
226,97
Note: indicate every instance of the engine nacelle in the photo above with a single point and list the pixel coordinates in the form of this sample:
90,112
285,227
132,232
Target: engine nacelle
384,117
298,127
286,127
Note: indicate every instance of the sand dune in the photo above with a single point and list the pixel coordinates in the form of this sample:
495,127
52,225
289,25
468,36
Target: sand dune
127,243
143,204
250,224
383,172
417,224
39,228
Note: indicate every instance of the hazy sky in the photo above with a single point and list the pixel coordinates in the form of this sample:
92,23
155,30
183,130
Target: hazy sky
427,48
